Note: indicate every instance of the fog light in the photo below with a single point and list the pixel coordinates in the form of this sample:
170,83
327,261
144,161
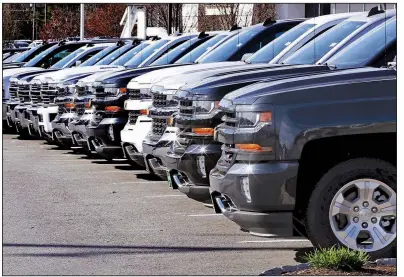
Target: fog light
245,188
200,160
111,132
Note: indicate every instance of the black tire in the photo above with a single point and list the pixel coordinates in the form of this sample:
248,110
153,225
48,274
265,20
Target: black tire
317,224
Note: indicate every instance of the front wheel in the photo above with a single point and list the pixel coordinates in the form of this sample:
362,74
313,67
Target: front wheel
354,205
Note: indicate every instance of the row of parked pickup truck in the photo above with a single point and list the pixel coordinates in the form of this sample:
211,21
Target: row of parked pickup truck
286,127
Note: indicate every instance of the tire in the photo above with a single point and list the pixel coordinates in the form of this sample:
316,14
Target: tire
318,226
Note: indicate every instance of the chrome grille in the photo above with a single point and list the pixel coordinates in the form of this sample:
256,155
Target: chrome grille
159,100
134,94
132,116
13,90
23,93
186,107
229,119
49,92
35,93
100,92
159,126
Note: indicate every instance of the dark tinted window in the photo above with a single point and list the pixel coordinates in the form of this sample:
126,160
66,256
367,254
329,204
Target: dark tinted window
267,53
114,55
143,55
67,59
96,58
42,55
52,57
130,54
193,55
315,49
179,51
364,49
228,50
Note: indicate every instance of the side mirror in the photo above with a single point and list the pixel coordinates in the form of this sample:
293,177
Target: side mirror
246,56
78,62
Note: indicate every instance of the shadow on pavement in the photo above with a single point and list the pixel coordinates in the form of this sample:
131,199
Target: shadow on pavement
148,177
94,250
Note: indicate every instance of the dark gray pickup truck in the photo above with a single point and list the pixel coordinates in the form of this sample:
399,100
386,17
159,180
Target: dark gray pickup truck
315,154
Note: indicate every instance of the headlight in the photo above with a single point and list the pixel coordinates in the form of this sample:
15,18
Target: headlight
251,119
145,93
204,107
114,91
66,89
13,79
36,82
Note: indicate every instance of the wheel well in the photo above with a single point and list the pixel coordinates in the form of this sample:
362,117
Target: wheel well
320,155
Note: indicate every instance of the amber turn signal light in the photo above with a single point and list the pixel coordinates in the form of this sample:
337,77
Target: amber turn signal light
203,131
112,108
144,112
252,147
266,117
70,105
122,90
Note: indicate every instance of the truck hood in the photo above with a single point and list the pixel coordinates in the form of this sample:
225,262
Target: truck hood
153,77
64,74
217,86
311,88
194,76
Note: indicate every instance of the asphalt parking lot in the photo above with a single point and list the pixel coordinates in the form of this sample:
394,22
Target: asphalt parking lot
65,214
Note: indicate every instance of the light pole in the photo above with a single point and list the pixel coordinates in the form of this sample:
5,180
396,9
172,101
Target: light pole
81,21
33,21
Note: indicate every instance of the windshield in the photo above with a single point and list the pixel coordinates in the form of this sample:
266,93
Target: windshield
318,47
359,52
94,59
67,59
39,57
25,54
271,50
143,55
13,58
179,51
114,55
130,54
226,51
193,55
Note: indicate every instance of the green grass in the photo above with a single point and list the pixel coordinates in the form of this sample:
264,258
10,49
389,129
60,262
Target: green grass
337,258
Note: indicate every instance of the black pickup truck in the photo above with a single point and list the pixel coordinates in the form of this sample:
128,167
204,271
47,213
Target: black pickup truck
314,153
194,152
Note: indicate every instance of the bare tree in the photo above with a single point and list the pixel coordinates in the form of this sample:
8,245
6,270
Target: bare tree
262,12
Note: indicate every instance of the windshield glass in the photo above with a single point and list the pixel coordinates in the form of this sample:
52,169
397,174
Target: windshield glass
39,57
179,51
143,55
114,55
96,58
25,54
226,50
67,59
130,54
269,51
318,47
193,55
359,52
13,58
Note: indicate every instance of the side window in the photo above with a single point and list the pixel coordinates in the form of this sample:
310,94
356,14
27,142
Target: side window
318,34
168,49
263,39
385,56
58,56
87,56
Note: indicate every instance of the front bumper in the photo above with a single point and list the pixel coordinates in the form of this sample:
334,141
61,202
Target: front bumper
33,127
11,115
155,152
79,132
21,117
60,128
190,171
101,140
272,187
132,137
46,115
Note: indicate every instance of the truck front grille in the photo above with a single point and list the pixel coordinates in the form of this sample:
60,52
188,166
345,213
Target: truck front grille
134,94
159,126
100,92
35,93
13,90
49,93
186,107
23,93
132,117
230,119
159,100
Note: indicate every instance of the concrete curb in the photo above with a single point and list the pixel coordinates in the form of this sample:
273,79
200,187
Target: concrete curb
276,271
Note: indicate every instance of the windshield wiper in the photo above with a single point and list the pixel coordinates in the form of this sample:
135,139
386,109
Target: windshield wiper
332,66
